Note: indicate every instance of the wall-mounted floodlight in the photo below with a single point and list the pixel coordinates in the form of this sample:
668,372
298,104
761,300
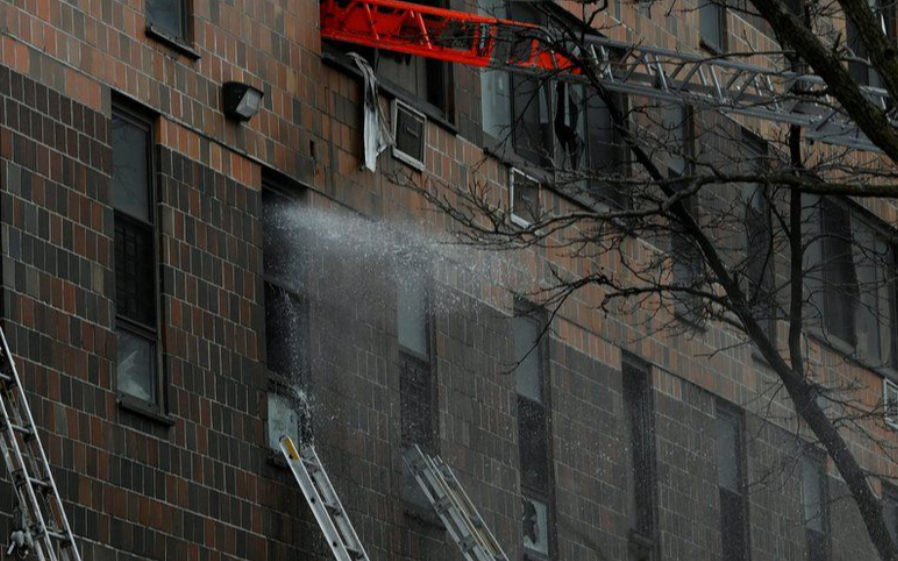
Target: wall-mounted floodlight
241,101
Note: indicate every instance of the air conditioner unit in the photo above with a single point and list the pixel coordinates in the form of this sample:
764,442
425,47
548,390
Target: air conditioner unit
409,129
524,192
890,403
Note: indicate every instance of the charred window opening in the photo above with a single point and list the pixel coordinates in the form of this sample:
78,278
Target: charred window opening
731,486
286,323
815,511
533,434
136,283
640,424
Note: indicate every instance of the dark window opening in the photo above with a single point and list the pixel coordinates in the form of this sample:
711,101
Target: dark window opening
286,323
637,395
533,435
759,250
839,276
417,386
136,284
815,511
688,270
730,482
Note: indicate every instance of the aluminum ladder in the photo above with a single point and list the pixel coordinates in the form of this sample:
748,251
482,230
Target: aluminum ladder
323,500
467,529
44,529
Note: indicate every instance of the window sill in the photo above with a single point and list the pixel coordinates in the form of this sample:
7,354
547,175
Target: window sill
171,42
144,409
849,353
433,114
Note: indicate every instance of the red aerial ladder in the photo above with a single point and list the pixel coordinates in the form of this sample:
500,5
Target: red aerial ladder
765,92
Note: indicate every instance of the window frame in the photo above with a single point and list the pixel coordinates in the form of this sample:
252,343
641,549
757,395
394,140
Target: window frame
158,407
278,383
528,311
818,459
399,154
644,485
722,28
180,41
515,218
724,412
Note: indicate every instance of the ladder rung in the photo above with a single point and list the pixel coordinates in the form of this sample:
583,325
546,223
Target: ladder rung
26,431
21,477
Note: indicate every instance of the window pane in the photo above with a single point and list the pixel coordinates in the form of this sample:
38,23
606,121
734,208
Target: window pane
130,169
168,16
812,495
536,525
412,314
732,525
710,15
675,134
528,374
839,276
136,368
282,420
532,131
526,197
639,417
728,452
418,410
496,103
284,332
816,542
135,275
533,444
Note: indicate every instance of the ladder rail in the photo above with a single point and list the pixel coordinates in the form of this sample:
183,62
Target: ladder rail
22,418
453,506
336,527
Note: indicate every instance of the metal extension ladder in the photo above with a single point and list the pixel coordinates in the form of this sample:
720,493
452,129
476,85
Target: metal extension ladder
44,528
322,498
467,529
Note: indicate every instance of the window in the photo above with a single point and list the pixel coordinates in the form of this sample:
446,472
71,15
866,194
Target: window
890,403
533,434
758,243
712,16
815,513
687,270
136,285
853,261
417,390
890,510
285,321
637,395
858,65
425,80
730,483
524,189
168,17
676,125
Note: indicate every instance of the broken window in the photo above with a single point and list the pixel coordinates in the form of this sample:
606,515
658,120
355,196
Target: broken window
637,395
731,486
533,432
286,327
591,152
136,284
814,508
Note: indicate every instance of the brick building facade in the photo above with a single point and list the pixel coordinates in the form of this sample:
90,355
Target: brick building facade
151,248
